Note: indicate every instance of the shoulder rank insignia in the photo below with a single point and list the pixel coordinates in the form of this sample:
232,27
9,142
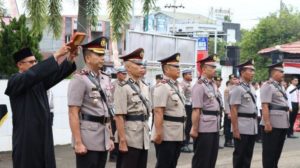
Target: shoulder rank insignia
164,81
200,81
123,83
104,73
83,72
144,82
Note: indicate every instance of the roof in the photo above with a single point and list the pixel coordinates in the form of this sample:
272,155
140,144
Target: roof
197,18
291,48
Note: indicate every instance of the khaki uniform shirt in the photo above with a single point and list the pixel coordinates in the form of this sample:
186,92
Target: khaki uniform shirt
187,90
272,95
204,97
240,97
128,102
95,136
165,96
227,98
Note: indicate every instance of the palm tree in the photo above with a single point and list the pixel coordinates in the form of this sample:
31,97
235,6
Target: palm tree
47,12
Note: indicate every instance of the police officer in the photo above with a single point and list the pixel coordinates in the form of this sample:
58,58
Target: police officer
158,79
132,104
244,116
187,90
218,81
233,80
205,117
121,75
275,118
169,115
88,96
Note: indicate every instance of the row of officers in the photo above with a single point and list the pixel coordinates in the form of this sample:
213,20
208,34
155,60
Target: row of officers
94,103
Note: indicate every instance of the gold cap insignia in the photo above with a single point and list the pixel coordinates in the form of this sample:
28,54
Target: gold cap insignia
215,58
142,54
103,43
177,58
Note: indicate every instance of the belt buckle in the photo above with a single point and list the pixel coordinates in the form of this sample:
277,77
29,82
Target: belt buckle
104,120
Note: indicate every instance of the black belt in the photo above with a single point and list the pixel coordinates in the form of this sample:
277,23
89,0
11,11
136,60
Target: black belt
247,115
99,119
277,107
207,112
175,119
141,117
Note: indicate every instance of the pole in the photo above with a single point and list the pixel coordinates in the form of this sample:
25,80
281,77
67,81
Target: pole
174,11
216,38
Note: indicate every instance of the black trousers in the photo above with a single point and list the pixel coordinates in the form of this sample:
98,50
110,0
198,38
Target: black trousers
272,146
293,116
227,129
243,151
188,123
206,150
167,154
134,158
92,159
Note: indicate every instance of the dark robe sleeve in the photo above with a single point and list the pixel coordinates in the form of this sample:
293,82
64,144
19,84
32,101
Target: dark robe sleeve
20,82
65,69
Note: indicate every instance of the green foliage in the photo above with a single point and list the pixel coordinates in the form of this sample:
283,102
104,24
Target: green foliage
92,9
119,16
277,28
220,47
14,37
54,17
147,6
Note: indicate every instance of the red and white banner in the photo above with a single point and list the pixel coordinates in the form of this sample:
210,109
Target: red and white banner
291,68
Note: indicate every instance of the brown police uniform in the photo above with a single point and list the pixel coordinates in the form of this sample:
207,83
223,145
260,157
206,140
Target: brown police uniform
205,97
187,90
169,95
94,116
227,121
132,100
273,94
243,95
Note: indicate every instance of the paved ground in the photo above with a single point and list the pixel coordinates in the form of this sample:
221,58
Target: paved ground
290,157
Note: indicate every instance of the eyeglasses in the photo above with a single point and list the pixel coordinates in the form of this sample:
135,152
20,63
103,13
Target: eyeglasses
30,62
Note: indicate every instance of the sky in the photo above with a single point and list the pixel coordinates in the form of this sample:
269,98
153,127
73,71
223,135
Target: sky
245,12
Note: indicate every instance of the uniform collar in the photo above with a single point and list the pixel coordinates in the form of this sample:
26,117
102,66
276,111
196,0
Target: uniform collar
245,83
174,82
130,79
206,80
92,73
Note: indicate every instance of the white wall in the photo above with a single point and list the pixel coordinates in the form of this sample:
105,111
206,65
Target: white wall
61,129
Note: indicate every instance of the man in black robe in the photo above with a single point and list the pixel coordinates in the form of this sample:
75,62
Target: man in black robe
32,132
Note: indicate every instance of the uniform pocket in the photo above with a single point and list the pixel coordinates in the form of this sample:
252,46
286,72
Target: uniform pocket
94,94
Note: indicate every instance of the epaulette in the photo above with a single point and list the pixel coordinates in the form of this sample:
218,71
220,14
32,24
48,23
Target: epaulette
164,81
105,73
200,81
123,83
83,72
144,82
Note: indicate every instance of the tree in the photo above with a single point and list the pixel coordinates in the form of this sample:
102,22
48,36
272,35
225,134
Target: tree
13,37
277,28
220,47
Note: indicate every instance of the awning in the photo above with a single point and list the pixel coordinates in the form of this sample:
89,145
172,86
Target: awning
291,68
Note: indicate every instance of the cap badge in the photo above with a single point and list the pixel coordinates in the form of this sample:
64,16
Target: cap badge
103,43
142,54
177,58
